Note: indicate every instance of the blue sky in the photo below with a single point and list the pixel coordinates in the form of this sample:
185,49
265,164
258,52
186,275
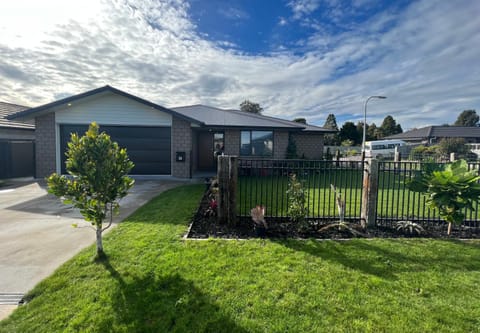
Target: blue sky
297,58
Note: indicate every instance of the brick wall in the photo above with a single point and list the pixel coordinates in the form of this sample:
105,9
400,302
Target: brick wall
45,151
280,143
232,142
309,145
181,141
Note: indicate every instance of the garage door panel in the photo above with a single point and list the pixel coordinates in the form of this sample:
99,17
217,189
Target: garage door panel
149,155
144,144
147,147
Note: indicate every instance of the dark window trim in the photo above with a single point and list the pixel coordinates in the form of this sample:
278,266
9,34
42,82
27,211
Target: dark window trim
256,130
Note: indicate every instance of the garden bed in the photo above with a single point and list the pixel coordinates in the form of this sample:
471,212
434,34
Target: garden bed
205,226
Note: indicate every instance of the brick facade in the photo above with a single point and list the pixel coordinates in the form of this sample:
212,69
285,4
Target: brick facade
280,143
181,142
309,145
45,148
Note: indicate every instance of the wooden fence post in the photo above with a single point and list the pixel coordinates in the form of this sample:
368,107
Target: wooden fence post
369,193
227,174
397,156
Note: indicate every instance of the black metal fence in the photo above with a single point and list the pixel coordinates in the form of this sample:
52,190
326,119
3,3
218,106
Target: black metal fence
265,182
395,202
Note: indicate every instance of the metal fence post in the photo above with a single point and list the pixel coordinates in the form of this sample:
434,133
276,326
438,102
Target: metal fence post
369,193
227,174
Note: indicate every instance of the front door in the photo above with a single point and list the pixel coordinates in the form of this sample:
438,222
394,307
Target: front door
210,145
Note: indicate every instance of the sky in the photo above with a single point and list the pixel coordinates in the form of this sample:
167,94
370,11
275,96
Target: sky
296,58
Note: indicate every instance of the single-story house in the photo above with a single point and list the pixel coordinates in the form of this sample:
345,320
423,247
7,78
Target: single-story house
178,141
16,143
433,134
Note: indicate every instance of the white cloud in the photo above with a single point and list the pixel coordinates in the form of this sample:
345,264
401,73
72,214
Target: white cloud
301,8
425,60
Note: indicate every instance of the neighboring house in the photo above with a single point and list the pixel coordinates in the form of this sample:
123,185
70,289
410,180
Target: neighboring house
178,141
433,134
16,143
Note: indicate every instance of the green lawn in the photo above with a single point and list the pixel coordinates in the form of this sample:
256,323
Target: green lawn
156,282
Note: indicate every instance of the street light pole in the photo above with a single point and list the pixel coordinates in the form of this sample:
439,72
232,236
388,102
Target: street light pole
365,121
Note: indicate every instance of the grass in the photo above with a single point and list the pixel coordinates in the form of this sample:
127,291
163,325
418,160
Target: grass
153,281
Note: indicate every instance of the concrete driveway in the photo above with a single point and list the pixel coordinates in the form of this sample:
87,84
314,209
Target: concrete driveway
36,233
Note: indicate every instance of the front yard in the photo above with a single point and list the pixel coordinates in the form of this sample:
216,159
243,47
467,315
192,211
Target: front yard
154,281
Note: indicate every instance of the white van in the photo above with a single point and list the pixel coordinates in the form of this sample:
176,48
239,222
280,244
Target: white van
382,148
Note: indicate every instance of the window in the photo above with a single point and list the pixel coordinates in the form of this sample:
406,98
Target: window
218,143
256,143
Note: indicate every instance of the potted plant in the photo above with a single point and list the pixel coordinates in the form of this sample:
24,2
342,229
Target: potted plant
259,223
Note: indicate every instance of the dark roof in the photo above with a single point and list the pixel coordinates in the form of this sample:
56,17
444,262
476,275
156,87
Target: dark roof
50,107
216,117
7,109
439,132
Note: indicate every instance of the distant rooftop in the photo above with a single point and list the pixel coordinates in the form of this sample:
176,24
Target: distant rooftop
7,109
439,132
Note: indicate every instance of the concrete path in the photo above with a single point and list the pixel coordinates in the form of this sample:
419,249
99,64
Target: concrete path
36,233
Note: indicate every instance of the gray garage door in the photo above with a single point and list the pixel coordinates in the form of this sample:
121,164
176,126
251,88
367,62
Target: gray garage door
147,147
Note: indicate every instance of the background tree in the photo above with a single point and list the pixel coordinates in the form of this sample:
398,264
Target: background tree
300,120
467,118
390,127
360,130
373,132
247,106
349,132
333,138
99,168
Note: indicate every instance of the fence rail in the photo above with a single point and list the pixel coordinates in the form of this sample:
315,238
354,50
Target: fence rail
265,182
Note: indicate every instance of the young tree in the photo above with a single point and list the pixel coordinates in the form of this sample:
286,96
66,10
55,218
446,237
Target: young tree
467,118
247,106
99,169
449,189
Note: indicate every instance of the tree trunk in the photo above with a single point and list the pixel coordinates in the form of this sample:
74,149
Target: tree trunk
449,228
99,241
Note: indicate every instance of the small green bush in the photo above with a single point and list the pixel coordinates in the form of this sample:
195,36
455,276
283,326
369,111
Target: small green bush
296,200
